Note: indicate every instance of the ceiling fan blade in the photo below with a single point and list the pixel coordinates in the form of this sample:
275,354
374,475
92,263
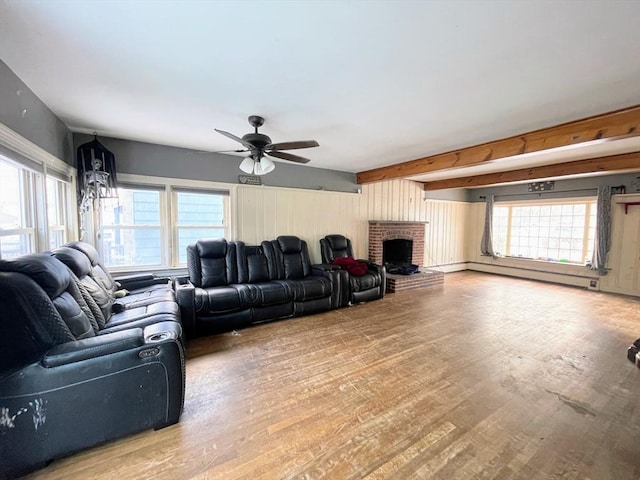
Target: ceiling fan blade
233,137
209,152
293,145
288,156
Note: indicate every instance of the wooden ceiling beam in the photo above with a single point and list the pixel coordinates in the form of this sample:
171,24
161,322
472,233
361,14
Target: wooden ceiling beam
608,126
625,161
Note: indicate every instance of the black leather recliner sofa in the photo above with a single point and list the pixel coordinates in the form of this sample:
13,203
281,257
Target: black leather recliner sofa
141,289
68,381
371,285
231,285
141,309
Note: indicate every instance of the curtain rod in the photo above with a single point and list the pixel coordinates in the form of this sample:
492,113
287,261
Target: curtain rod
592,190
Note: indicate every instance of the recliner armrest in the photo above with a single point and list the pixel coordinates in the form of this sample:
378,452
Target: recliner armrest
375,267
323,272
93,347
140,280
135,277
326,267
382,271
339,282
162,332
140,322
186,298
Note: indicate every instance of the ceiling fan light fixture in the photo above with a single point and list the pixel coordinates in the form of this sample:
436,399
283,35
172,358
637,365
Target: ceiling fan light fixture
257,169
267,165
247,165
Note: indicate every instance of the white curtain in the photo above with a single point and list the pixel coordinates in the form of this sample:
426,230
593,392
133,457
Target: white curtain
486,245
602,242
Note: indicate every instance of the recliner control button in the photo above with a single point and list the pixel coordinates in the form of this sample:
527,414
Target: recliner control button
149,352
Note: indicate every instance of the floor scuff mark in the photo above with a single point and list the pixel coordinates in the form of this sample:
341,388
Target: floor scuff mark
576,406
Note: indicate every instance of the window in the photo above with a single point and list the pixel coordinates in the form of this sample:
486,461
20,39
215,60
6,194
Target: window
559,231
198,215
57,211
151,226
131,228
35,206
17,212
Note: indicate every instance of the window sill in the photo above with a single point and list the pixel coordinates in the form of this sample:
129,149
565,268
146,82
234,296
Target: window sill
158,271
573,269
546,262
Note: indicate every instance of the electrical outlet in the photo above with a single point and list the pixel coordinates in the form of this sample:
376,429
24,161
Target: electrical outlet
593,285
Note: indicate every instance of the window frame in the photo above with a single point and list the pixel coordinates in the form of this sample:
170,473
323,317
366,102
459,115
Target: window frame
34,167
590,203
28,219
168,216
162,225
63,199
176,227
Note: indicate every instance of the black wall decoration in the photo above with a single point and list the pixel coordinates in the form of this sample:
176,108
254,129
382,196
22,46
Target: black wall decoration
541,186
96,173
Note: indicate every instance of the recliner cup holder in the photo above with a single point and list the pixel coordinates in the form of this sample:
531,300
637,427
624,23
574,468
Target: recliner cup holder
158,337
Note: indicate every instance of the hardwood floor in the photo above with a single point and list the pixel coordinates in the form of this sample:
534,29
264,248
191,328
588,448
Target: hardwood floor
486,377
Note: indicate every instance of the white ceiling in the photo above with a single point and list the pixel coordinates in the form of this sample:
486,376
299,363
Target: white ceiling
374,82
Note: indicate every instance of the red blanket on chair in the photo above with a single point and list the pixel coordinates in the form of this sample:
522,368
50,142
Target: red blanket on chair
351,265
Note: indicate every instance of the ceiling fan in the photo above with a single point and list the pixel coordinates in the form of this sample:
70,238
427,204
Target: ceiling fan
260,148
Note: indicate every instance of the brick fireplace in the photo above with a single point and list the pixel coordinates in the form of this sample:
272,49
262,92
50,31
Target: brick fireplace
388,230
379,231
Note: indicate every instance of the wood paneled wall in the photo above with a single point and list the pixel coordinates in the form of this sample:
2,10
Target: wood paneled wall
263,213
266,212
403,200
624,257
452,233
475,225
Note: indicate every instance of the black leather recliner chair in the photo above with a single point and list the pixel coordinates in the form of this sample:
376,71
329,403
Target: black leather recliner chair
314,289
371,285
65,383
212,298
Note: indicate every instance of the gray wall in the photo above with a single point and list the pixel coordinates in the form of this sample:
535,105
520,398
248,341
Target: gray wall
453,194
563,188
23,112
162,161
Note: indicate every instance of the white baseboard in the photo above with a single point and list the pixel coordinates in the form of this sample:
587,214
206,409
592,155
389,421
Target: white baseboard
452,267
573,280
